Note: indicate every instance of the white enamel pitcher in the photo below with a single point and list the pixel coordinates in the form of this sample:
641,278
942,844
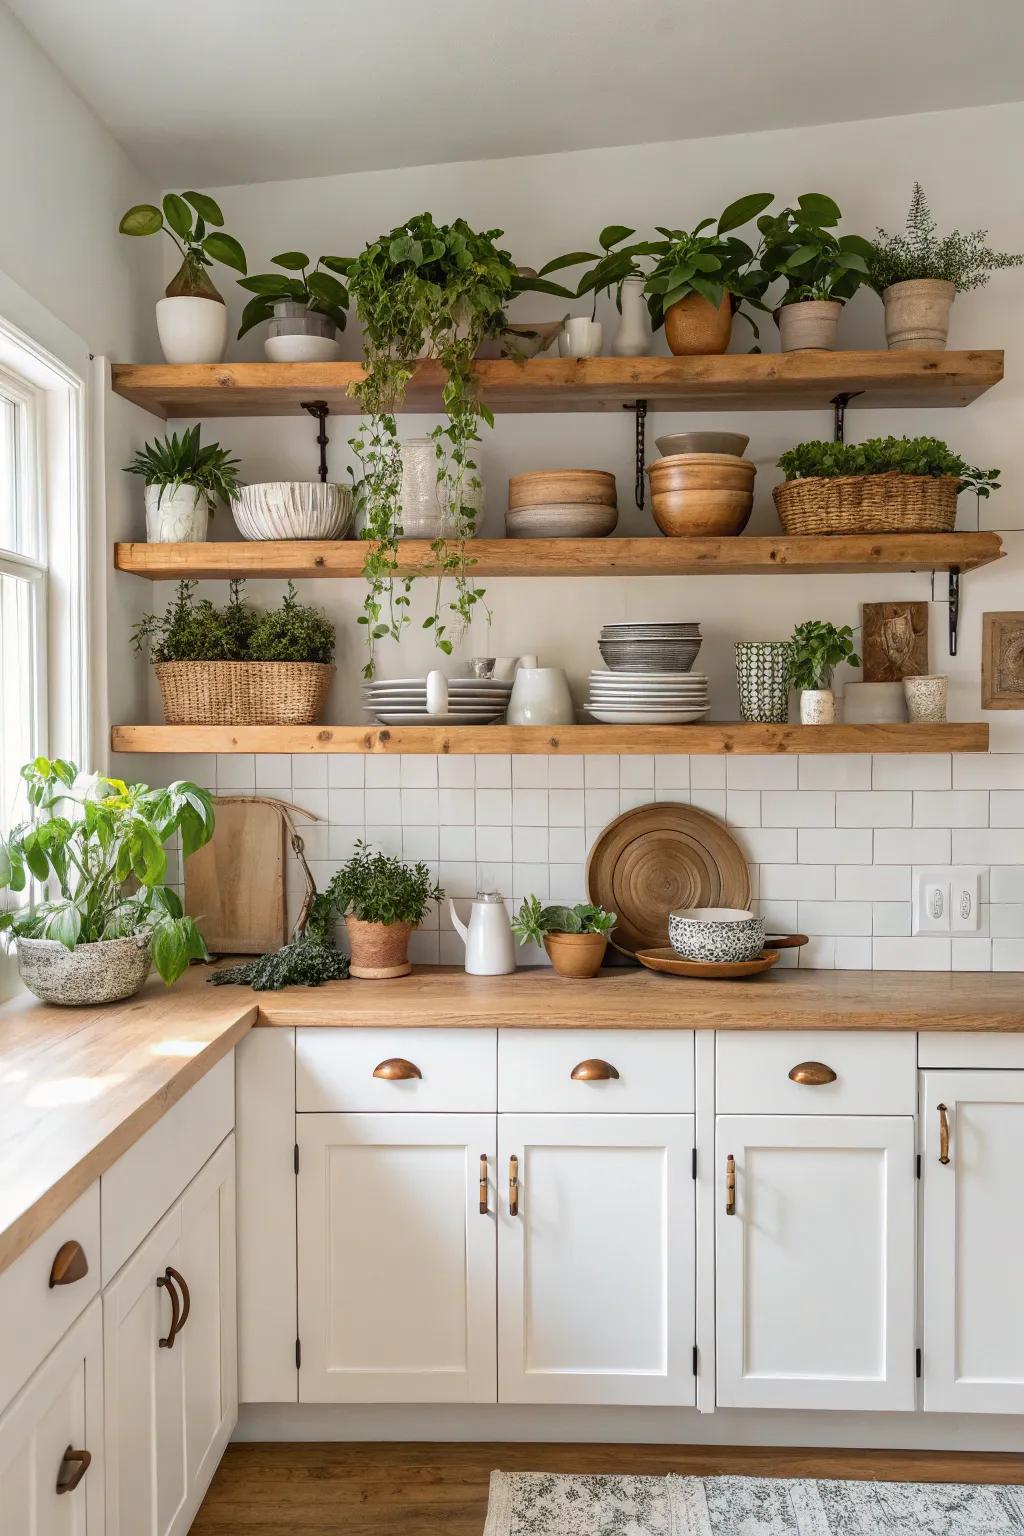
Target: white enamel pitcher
490,947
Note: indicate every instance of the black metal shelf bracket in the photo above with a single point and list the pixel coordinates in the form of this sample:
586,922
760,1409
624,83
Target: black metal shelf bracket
954,607
321,410
639,409
839,404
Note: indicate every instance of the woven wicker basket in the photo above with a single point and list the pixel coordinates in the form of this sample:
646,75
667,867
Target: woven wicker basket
243,692
868,504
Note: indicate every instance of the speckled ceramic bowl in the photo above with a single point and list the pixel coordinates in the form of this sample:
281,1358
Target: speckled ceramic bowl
716,933
104,972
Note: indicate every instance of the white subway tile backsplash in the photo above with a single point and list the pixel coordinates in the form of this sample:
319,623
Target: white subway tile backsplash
531,880
529,845
273,770
839,770
743,807
418,772
926,952
1006,810
797,808
797,882
601,772
493,875
567,845
978,845
455,807
818,954
493,844
710,800
761,772
315,801
494,807
529,807
424,947
457,843
600,806
532,772
568,883
874,808
565,807
839,845
494,771
952,808
988,770
458,878
873,882
852,954
309,771
1006,921
971,953
708,773
911,770
780,916
344,805
913,845
636,772
383,805
629,799
565,772
236,771
386,772
834,917
457,772
671,771
767,845
419,842
891,919
346,770
1006,883
387,836
1007,955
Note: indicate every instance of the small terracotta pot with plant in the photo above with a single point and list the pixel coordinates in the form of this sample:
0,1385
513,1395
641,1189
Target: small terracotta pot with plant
575,938
382,900
700,281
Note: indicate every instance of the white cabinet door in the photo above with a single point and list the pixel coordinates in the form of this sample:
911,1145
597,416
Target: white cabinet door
396,1258
815,1265
54,1423
973,1242
596,1268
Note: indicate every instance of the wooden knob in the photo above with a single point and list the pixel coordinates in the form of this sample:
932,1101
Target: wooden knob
69,1265
812,1073
594,1070
396,1069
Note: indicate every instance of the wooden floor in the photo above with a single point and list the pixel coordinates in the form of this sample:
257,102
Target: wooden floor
409,1489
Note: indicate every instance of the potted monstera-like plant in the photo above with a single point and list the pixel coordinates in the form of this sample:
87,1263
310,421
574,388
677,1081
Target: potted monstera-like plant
191,318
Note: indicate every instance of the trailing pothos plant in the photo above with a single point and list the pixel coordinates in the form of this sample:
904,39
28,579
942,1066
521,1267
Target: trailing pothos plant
97,845
320,291
434,290
187,219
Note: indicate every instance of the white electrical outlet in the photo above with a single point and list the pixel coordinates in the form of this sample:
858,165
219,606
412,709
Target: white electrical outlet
931,901
965,901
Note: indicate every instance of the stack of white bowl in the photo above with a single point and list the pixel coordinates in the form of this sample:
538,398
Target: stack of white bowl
403,701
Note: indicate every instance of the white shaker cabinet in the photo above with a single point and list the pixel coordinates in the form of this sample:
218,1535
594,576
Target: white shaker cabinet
973,1141
51,1441
815,1280
596,1259
397,1255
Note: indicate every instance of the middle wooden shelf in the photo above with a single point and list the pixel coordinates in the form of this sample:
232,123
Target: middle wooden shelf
745,556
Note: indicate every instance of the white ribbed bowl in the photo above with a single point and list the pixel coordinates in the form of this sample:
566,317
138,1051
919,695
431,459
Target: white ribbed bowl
292,509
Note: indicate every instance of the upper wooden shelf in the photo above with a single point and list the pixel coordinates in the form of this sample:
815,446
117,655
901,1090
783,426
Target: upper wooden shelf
777,381
575,557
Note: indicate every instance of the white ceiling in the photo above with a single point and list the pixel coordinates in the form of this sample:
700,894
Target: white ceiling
256,90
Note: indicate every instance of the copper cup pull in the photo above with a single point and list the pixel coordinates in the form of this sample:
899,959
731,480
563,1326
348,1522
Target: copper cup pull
396,1069
730,1185
164,1282
813,1073
594,1070
483,1183
186,1298
513,1185
69,1265
943,1134
74,1465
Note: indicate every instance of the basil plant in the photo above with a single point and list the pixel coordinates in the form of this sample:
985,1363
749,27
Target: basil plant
97,846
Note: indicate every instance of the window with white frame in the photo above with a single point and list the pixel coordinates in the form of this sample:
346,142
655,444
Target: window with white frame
23,584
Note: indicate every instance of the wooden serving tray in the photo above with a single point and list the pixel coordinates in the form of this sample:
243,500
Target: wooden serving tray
705,970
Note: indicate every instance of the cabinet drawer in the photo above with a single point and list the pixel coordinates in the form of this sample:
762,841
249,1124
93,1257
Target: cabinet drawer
875,1074
372,1070
653,1071
33,1313
147,1180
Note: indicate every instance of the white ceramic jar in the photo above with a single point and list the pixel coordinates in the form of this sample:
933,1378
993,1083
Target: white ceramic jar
176,516
191,329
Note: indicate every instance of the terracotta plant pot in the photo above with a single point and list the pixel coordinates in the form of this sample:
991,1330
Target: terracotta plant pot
694,328
379,950
809,325
577,955
917,314
696,495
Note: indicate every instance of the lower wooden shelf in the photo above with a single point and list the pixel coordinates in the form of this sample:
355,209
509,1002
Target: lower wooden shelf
737,737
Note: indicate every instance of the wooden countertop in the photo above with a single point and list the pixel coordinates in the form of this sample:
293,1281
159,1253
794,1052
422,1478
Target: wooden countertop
78,1086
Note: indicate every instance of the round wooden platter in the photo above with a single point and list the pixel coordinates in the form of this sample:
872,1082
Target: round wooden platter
657,858
705,970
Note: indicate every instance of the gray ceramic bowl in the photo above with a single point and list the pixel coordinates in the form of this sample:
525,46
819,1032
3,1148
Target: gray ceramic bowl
716,933
702,442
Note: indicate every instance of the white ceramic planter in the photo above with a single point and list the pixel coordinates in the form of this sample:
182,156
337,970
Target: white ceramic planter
817,706
633,337
192,330
917,314
176,517
103,972
810,325
580,338
300,335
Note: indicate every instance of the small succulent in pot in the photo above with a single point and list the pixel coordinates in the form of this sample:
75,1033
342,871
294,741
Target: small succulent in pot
183,483
575,938
818,647
382,899
305,308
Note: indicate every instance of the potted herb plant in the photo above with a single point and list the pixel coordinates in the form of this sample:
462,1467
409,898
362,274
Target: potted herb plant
191,318
883,485
612,268
701,280
821,270
817,649
918,275
575,938
183,483
305,311
96,845
382,900
235,665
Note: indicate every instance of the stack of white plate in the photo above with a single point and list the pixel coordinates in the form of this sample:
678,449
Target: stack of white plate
650,646
403,701
645,698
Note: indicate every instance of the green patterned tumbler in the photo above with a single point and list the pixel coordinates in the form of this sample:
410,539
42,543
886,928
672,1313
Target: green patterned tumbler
762,678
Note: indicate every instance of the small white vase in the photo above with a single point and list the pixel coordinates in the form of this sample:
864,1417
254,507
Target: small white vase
177,517
192,330
817,706
633,337
580,338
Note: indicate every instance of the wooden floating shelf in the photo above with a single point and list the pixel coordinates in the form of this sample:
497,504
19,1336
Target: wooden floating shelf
575,557
779,381
738,738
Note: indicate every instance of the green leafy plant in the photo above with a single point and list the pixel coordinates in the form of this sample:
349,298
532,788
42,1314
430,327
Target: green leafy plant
798,246
817,649
171,462
377,888
533,920
186,218
611,266
966,261
307,961
200,631
692,261
320,291
886,456
100,842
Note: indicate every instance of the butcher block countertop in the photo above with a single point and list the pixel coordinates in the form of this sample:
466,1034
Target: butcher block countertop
78,1086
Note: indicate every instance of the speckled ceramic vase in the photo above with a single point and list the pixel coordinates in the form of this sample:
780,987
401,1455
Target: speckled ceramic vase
926,697
104,972
817,706
762,680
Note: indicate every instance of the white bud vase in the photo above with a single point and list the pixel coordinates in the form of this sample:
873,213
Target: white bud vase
633,337
817,706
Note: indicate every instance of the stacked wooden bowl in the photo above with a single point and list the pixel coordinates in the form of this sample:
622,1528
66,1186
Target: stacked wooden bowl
561,504
696,495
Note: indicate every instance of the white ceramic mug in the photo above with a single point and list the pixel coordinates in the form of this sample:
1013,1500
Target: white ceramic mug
540,696
580,338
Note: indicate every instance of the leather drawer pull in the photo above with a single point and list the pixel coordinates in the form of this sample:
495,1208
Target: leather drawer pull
396,1069
812,1073
69,1265
593,1071
74,1465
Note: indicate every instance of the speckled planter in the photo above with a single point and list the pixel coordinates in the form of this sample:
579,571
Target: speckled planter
716,934
926,697
104,972
817,706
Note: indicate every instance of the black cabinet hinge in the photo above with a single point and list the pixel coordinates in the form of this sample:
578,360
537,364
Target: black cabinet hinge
693,1163
917,1363
918,1165
295,1158
695,1359
298,1354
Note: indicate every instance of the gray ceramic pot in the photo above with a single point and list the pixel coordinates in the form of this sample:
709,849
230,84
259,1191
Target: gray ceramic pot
104,972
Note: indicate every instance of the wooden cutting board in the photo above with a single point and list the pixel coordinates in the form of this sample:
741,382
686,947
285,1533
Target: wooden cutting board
235,885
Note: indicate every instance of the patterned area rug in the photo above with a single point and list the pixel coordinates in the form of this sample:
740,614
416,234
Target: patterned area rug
556,1504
